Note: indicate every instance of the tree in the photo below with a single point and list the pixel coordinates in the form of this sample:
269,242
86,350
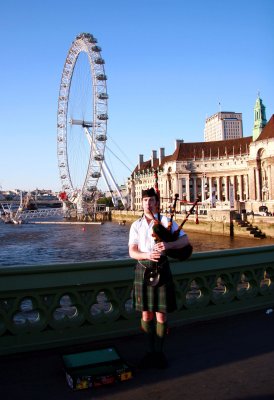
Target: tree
105,200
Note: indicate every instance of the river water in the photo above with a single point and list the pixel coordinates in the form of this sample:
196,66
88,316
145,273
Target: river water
30,244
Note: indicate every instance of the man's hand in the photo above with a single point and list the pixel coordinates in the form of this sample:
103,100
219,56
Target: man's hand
154,255
160,246
177,244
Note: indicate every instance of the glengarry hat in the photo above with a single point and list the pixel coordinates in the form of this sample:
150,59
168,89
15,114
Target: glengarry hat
149,193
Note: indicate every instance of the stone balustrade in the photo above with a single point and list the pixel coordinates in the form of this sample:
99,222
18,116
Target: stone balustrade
47,306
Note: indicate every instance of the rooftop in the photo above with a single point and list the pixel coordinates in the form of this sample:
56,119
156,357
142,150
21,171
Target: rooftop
201,150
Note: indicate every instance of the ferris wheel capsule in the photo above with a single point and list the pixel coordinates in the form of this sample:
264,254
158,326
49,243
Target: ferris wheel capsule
82,128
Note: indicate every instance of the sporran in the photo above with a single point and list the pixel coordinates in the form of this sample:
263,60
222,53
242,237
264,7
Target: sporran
155,273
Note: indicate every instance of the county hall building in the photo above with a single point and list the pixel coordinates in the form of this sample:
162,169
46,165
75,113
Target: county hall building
227,170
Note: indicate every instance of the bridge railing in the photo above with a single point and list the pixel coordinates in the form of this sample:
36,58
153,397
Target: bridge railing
40,213
47,306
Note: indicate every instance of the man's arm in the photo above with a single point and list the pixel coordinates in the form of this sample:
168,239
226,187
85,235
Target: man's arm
182,241
135,253
177,244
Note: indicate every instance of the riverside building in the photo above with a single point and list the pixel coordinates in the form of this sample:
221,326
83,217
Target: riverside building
232,173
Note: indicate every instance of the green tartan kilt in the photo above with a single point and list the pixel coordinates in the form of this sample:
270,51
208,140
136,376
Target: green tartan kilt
160,298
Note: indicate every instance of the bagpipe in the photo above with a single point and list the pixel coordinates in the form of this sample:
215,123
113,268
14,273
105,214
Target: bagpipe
155,274
163,234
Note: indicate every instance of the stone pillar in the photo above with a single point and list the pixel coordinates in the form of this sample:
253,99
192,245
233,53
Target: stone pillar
240,180
258,186
164,191
188,188
227,180
220,187
251,184
234,184
180,188
175,184
195,188
269,187
210,187
245,187
132,196
271,182
203,188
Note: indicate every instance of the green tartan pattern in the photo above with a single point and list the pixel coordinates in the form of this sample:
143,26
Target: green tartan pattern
161,298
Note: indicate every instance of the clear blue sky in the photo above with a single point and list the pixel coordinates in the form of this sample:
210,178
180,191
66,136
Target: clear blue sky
169,63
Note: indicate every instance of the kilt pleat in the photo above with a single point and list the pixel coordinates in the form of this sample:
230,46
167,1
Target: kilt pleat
160,298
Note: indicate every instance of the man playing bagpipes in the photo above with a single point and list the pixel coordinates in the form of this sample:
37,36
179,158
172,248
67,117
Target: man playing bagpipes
153,288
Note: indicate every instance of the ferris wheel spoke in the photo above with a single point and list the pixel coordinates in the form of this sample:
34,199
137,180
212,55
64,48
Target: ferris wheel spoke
82,114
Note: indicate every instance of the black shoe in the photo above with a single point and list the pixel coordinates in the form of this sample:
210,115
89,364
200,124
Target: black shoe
147,361
160,361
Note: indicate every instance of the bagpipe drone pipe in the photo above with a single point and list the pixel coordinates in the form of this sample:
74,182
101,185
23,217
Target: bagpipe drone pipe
163,234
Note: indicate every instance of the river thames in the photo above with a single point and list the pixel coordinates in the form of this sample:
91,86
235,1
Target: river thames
29,244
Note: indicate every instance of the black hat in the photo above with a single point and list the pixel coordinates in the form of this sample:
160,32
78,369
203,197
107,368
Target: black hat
149,193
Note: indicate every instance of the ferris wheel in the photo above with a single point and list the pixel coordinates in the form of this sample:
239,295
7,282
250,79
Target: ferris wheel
82,119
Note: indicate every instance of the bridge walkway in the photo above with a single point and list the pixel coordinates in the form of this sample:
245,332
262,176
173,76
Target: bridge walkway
230,358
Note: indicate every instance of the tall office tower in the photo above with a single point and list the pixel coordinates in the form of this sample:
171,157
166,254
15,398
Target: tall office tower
223,125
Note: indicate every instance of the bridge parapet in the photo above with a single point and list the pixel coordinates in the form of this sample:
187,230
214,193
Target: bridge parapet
47,306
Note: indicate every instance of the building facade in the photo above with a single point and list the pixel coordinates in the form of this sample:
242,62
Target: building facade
234,173
223,126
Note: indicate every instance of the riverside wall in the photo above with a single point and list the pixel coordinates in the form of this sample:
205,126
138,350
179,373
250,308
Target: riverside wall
215,222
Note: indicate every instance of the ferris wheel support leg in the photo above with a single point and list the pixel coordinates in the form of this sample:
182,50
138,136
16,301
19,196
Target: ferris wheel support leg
109,187
105,168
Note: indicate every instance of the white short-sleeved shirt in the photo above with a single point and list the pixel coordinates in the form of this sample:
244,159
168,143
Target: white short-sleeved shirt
141,233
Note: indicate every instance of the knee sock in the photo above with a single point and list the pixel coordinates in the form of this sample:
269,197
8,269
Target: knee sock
149,328
161,332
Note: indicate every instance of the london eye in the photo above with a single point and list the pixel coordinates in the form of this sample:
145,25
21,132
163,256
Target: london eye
82,120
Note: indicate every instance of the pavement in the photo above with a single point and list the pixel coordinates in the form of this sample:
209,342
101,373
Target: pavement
228,358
